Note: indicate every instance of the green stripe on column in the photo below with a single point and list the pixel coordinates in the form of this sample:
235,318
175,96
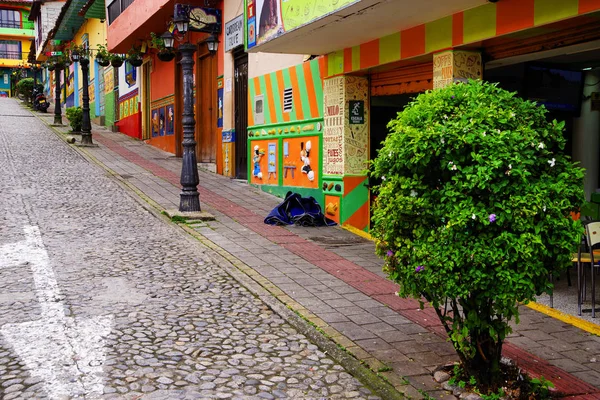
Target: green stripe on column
318,84
251,99
438,34
479,23
546,11
354,200
265,93
287,82
335,63
276,93
303,92
389,48
355,58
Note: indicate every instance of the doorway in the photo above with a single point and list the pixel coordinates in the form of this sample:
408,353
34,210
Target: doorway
206,102
240,61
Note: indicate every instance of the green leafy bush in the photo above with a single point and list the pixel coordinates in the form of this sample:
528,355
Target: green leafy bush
473,211
75,117
24,88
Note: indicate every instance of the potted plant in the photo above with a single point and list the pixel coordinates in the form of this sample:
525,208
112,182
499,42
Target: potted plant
103,56
116,60
50,66
134,56
164,54
75,117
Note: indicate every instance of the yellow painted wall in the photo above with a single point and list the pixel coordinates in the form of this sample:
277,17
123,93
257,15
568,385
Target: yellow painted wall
25,45
96,32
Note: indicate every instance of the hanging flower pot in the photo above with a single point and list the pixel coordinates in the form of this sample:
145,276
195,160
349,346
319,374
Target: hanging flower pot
166,55
103,62
135,61
51,67
116,61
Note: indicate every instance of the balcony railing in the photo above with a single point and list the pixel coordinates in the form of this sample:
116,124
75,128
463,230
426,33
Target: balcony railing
11,55
116,8
10,24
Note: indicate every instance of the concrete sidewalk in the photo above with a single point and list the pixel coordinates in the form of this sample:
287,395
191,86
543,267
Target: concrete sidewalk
333,279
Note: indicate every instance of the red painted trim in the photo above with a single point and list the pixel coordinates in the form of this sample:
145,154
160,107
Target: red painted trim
512,16
369,54
348,59
131,126
586,6
457,29
413,42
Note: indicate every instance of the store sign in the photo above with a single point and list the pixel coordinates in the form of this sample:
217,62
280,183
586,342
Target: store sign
333,132
455,66
357,112
234,33
54,53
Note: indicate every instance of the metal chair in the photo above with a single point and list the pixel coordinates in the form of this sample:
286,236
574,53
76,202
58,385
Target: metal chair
592,238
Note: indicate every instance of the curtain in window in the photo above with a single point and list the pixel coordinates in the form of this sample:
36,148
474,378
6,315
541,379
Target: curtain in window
10,19
10,49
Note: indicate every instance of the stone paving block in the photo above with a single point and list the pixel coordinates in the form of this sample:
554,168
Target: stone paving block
361,318
333,317
593,377
394,336
408,368
559,345
378,327
524,342
373,344
353,331
424,382
349,311
389,355
568,365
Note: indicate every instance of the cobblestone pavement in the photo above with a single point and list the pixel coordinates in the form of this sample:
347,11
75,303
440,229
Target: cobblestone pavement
101,299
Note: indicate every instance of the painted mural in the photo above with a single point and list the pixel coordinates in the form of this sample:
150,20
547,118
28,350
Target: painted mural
268,19
285,132
129,115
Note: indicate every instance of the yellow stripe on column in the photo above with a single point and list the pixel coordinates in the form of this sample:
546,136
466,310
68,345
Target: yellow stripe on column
335,63
356,58
438,34
389,48
547,11
479,23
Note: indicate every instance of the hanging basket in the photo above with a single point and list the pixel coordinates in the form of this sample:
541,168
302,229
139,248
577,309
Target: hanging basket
116,63
103,62
51,68
136,61
166,55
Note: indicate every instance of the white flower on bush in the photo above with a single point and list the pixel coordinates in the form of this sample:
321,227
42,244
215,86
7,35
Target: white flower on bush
452,166
473,216
413,193
483,134
552,162
442,140
541,146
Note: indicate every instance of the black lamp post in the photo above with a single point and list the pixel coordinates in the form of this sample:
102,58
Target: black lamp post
86,125
57,110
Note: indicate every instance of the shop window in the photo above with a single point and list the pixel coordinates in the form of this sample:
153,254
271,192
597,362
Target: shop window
10,19
131,74
259,113
287,100
10,49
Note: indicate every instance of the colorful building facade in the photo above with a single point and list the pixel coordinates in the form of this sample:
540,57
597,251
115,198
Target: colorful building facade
16,34
374,63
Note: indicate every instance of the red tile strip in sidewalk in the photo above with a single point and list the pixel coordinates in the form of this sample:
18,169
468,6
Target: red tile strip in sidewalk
365,281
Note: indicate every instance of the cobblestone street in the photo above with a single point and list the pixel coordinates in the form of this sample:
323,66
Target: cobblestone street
100,298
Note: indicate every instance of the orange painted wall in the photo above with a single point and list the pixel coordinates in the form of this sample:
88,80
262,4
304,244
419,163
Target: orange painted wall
162,79
300,179
263,162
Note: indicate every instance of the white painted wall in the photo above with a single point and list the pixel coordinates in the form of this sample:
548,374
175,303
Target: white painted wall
258,64
586,135
49,12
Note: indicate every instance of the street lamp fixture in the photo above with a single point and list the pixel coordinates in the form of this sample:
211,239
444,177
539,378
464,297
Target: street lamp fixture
168,40
182,23
212,43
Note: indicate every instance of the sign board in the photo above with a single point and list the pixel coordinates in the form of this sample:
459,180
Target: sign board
54,53
357,112
201,19
234,33
455,66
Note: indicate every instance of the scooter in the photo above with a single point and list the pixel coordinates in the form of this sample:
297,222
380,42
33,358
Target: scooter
39,99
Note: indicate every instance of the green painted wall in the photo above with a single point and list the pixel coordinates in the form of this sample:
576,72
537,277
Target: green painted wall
109,110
